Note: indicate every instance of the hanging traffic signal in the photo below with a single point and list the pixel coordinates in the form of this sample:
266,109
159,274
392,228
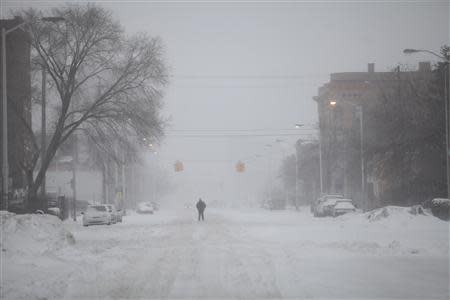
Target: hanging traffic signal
178,166
240,167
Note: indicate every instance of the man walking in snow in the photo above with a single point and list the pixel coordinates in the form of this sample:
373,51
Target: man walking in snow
201,208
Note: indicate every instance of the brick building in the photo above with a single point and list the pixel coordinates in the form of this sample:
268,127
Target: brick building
344,131
19,101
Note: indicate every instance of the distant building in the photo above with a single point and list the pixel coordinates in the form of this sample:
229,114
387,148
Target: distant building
19,101
341,103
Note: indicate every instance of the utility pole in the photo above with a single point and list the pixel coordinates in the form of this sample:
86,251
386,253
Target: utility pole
363,177
43,127
105,181
124,190
447,125
320,163
5,167
74,176
269,171
296,178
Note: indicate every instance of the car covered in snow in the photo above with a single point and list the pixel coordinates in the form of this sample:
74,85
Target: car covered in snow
145,208
342,206
96,214
320,208
328,205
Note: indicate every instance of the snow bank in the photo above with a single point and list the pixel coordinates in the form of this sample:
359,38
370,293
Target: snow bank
32,234
438,201
395,212
387,231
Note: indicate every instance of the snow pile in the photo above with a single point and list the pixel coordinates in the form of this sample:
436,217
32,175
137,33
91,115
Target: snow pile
395,212
32,234
440,201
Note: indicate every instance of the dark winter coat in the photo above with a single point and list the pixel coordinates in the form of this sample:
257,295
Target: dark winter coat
201,205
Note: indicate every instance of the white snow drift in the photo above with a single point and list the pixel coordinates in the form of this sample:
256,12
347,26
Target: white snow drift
387,253
32,234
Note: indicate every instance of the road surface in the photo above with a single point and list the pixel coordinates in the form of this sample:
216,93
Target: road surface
252,254
170,255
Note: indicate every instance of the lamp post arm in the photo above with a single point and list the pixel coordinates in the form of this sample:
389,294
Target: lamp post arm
435,54
410,51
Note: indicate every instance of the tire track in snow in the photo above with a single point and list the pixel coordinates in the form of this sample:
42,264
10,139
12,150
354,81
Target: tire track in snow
222,264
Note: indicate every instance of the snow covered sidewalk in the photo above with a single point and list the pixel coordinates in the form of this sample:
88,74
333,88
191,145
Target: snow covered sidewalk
236,255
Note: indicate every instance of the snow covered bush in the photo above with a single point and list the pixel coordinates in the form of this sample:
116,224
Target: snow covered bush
440,207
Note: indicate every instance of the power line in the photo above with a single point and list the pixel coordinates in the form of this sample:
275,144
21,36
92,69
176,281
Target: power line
235,135
248,76
243,130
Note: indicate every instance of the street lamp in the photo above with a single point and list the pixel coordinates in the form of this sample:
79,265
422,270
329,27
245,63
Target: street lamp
411,51
297,126
446,61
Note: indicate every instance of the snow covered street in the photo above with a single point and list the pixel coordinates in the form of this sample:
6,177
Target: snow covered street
238,255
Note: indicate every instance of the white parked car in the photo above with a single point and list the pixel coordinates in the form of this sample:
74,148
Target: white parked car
96,214
343,206
145,208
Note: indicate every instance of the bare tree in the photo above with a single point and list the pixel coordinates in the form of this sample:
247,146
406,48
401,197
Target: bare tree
108,85
308,172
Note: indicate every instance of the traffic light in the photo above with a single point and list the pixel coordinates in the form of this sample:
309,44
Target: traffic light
240,167
178,166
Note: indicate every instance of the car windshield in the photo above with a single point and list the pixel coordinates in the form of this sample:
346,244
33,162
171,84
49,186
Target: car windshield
332,196
331,201
96,208
345,200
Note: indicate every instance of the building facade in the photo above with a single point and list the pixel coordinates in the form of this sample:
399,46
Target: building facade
18,79
344,103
